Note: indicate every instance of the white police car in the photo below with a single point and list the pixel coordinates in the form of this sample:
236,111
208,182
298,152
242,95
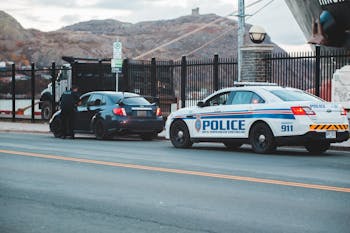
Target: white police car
263,115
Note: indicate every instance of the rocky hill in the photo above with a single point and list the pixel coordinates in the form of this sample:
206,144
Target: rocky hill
94,39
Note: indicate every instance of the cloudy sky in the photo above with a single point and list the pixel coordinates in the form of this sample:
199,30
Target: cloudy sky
48,15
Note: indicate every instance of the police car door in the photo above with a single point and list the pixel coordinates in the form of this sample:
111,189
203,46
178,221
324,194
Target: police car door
239,112
205,123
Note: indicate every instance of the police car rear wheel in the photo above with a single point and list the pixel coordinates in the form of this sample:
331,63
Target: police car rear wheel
179,135
262,139
317,147
232,145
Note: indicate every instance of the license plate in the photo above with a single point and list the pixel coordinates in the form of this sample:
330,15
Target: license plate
331,134
141,113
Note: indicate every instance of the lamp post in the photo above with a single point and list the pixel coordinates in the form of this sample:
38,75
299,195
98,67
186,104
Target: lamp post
255,67
241,32
257,34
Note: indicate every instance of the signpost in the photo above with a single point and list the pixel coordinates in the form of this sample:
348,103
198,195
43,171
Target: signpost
117,61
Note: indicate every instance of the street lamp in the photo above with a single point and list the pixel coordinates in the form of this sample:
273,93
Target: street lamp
257,34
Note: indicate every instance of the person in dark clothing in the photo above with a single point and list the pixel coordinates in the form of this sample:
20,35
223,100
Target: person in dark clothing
68,105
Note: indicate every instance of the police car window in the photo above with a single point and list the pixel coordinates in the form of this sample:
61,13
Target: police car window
256,99
242,97
294,95
220,99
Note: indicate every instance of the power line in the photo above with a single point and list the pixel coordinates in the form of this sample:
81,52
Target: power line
263,7
192,32
227,31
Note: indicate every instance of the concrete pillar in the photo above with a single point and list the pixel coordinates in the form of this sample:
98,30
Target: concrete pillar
255,68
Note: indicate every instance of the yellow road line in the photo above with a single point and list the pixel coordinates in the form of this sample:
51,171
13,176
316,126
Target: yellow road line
179,171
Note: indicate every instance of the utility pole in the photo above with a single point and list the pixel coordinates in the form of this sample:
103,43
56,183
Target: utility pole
241,32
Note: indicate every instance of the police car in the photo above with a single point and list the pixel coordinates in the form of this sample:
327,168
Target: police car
263,115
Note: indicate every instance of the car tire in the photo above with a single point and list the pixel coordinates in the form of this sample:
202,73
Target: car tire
261,138
232,145
56,127
46,110
317,148
100,131
179,135
148,136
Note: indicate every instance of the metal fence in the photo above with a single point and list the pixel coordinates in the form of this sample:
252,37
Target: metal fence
310,71
20,91
181,83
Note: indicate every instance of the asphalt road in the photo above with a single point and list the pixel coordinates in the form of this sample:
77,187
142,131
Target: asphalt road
127,185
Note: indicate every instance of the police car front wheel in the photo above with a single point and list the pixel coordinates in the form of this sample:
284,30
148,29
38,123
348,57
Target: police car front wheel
262,139
179,135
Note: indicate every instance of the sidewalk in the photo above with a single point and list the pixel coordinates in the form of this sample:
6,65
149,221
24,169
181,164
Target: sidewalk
6,126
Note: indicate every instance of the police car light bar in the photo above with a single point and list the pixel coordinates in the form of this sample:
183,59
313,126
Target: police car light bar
244,84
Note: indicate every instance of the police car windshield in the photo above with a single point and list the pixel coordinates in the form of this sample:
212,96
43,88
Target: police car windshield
294,95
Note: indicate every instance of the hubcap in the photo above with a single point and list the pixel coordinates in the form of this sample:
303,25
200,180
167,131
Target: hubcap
180,134
261,138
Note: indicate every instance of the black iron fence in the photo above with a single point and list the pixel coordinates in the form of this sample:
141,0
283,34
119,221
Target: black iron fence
176,83
20,90
181,82
309,71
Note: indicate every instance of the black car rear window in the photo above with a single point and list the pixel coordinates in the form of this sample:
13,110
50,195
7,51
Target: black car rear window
135,101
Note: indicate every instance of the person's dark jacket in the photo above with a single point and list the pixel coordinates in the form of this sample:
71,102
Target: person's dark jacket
69,100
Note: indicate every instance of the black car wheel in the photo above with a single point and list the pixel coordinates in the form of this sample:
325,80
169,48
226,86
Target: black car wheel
179,135
232,145
56,127
318,147
262,139
148,136
100,131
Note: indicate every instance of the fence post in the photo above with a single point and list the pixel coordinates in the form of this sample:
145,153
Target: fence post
33,92
183,81
13,91
318,70
125,71
53,81
216,72
153,77
101,83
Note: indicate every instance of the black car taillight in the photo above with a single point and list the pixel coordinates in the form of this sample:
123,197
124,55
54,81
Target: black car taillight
119,111
158,112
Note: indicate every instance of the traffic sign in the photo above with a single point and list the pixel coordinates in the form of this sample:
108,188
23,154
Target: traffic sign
117,50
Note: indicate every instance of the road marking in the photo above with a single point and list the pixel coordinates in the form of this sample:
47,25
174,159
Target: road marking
179,171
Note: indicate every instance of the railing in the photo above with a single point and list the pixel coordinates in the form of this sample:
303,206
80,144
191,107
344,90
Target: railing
309,71
181,83
20,91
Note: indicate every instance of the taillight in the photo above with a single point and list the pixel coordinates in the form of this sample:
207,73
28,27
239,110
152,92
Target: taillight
343,112
298,110
158,112
119,111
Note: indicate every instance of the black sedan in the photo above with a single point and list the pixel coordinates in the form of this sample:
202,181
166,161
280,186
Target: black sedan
106,114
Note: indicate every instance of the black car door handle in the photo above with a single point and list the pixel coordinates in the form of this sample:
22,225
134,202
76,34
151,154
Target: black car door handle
190,116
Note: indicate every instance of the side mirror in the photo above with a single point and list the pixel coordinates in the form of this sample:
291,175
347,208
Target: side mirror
201,104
